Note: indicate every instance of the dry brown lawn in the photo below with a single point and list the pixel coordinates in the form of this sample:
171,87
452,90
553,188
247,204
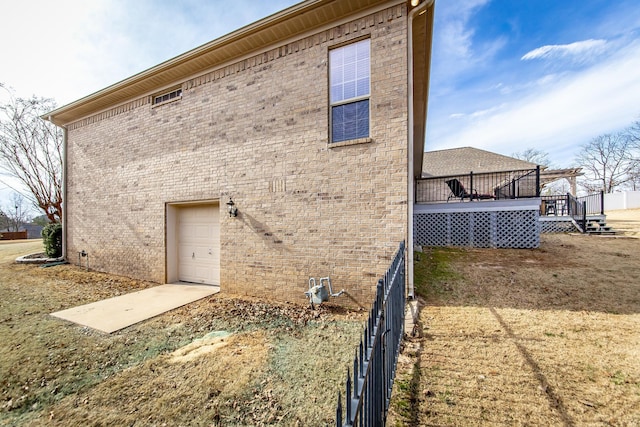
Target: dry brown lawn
219,361
505,337
545,337
626,221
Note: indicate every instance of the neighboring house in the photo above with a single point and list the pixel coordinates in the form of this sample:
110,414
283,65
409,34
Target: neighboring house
500,207
461,161
501,204
492,171
311,121
464,160
29,231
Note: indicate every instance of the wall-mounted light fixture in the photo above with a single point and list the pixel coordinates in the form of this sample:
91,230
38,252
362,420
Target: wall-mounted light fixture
231,207
414,3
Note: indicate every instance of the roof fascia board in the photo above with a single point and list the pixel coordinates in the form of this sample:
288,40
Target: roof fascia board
420,143
217,44
198,51
301,36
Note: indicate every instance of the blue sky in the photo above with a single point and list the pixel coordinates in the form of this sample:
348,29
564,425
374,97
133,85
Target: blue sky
545,74
506,74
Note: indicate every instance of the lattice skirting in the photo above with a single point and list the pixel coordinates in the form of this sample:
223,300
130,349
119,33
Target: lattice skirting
494,229
557,227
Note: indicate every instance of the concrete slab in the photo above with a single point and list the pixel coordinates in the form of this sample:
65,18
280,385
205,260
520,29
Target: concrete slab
116,313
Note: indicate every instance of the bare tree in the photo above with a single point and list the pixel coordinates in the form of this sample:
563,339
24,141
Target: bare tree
607,161
31,152
15,214
634,134
634,176
5,222
533,155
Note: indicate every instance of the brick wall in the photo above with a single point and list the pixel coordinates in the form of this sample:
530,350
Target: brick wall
258,131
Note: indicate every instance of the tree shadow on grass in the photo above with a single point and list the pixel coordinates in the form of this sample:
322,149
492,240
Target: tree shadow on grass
576,273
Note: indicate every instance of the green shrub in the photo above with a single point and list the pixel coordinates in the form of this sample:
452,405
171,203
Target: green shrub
52,239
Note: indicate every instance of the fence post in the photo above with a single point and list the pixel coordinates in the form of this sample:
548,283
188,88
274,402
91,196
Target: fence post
601,202
538,181
584,217
470,186
339,410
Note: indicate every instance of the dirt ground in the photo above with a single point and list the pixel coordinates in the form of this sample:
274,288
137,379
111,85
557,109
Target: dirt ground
219,361
540,337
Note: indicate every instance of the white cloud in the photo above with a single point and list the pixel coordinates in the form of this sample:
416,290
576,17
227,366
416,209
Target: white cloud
68,49
454,52
455,35
37,43
558,117
577,49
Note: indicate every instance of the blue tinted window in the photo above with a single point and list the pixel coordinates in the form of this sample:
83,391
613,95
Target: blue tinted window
350,121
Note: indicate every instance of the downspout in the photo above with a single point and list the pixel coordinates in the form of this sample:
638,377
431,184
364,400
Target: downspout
410,171
64,193
63,219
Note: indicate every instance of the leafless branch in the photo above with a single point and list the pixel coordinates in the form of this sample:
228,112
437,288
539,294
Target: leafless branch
607,161
31,152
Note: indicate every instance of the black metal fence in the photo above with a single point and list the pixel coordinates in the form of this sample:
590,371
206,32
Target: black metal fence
556,205
514,184
368,393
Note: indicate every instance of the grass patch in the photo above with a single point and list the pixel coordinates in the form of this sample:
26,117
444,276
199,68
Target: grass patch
618,378
434,274
525,337
406,401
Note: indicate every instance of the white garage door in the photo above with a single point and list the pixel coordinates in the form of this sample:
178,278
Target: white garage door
199,244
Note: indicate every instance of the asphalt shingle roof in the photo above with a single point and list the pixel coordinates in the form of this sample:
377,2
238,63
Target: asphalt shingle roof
460,161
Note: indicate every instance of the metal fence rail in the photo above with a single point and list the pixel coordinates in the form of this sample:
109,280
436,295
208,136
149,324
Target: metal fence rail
577,208
578,211
368,393
566,204
594,203
514,184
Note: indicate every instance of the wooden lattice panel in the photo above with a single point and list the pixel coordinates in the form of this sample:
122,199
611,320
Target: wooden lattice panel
492,229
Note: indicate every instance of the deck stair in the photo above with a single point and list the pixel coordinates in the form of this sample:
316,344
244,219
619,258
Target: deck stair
599,227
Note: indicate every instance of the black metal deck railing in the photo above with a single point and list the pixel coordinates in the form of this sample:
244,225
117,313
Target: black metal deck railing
577,208
567,205
515,184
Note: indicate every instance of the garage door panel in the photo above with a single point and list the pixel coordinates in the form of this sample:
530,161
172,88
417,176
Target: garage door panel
199,244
